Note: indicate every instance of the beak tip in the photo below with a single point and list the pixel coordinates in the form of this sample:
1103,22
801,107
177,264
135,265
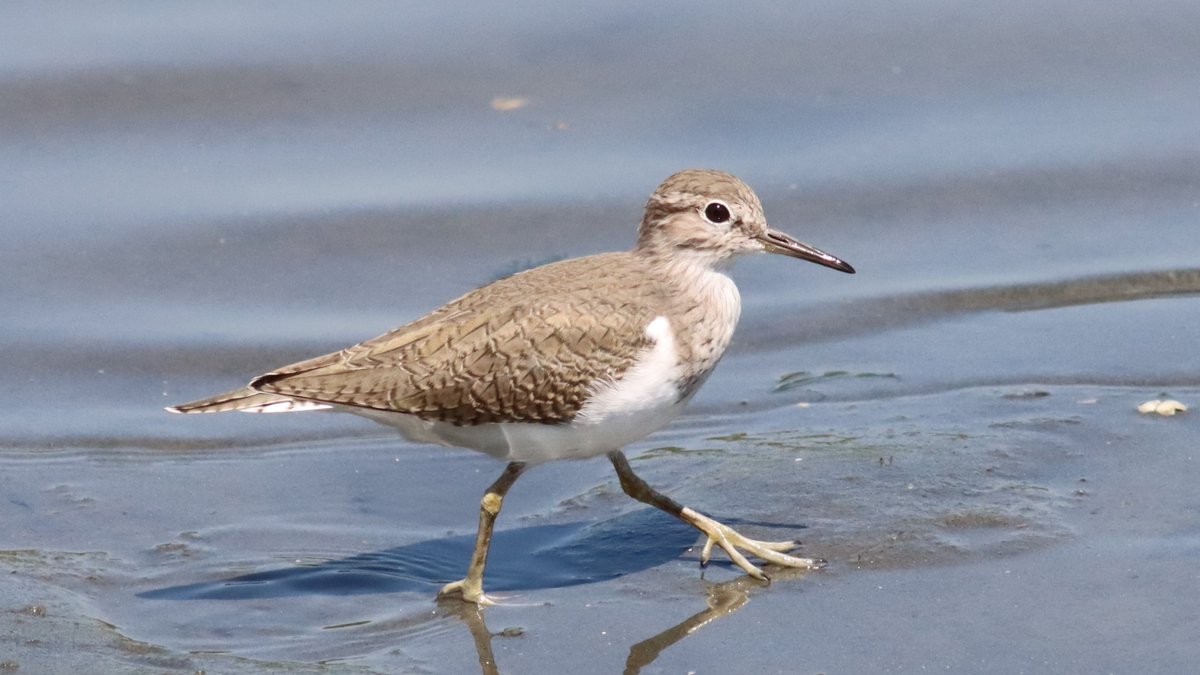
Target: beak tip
783,244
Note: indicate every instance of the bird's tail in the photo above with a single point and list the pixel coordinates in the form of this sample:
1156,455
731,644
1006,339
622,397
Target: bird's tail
247,400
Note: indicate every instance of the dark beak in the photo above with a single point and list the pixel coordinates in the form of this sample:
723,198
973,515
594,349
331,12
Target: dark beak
778,242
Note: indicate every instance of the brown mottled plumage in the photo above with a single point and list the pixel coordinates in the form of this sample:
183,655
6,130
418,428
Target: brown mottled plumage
528,348
507,353
568,360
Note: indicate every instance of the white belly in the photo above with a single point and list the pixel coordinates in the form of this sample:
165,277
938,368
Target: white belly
533,443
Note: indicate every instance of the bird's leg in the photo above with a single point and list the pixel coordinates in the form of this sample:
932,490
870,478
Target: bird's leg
471,587
718,534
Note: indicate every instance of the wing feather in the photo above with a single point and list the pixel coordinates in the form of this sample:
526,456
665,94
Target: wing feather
530,348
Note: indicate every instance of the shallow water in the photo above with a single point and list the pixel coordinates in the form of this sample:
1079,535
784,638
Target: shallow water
191,201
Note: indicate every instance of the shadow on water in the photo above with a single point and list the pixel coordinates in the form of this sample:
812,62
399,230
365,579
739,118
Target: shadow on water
534,557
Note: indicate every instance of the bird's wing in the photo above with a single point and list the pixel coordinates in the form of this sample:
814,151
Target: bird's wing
529,348
528,362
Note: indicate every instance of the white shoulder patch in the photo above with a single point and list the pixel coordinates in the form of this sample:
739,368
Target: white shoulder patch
646,387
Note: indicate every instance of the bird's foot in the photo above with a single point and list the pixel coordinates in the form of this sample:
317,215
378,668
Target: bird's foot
468,591
730,541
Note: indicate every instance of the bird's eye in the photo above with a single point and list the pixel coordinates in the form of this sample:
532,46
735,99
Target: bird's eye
716,212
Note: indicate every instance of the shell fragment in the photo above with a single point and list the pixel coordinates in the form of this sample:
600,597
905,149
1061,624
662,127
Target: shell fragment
1165,408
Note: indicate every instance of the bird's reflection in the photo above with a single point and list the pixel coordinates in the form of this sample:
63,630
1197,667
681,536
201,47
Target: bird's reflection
723,598
472,615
